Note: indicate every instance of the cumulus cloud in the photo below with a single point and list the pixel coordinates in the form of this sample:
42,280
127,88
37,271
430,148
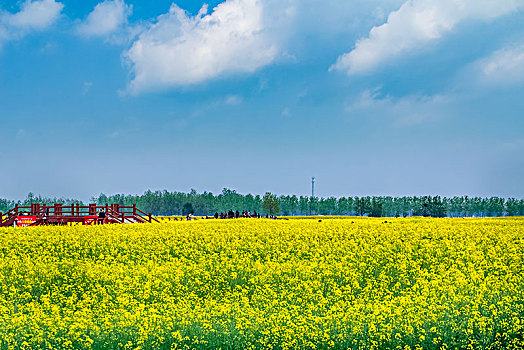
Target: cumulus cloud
179,49
33,15
416,24
106,18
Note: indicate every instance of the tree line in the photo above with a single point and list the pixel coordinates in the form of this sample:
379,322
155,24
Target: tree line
206,203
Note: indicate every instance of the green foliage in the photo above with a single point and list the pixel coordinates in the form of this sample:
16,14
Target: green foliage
188,208
6,204
270,204
206,203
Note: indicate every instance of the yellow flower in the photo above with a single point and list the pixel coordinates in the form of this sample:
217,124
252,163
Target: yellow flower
263,284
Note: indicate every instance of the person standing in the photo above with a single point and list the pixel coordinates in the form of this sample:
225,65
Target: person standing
101,216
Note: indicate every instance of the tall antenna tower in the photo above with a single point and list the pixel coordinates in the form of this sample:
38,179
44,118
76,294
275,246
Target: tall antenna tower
313,187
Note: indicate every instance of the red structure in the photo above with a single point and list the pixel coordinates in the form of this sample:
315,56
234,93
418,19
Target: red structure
59,214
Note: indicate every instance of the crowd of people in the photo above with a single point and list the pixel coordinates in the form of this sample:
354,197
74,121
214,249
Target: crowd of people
235,215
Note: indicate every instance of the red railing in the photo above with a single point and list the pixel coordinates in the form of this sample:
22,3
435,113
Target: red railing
60,213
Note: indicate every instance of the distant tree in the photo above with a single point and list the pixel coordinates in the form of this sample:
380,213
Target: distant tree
188,208
362,205
327,206
6,204
288,204
30,198
178,203
376,207
437,207
270,204
495,206
258,203
293,204
388,206
303,204
313,205
342,206
101,200
476,206
456,206
285,205
512,207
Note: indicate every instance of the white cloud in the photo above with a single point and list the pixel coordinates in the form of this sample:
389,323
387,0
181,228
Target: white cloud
234,100
106,18
416,24
505,66
115,134
405,111
180,49
286,113
501,69
33,15
86,87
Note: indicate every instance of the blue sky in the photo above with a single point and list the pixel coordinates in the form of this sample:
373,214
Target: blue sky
381,97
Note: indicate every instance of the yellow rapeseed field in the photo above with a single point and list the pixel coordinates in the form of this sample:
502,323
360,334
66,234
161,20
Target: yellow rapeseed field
344,283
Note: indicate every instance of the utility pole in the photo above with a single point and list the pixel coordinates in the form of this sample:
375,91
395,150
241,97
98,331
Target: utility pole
313,187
